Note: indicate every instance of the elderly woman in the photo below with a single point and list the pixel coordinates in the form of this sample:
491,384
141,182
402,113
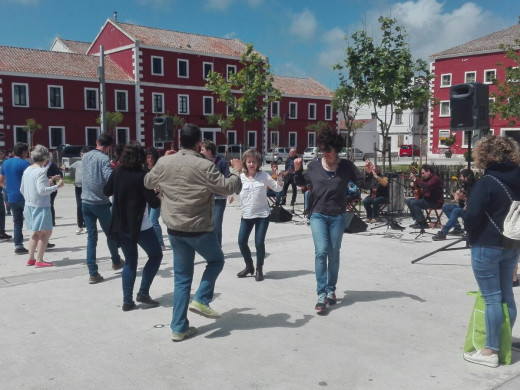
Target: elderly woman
36,190
493,256
328,178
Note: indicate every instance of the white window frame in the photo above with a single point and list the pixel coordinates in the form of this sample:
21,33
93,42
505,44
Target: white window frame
62,128
441,103
295,145
311,105
311,134
274,138
448,84
162,66
26,85
125,93
466,74
328,112
187,104
127,131
15,133
486,74
295,110
443,133
96,91
60,87
208,98
228,67
255,135
277,105
204,64
234,134
161,95
187,76
398,118
98,131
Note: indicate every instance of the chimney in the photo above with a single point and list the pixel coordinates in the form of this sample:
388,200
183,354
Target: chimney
115,16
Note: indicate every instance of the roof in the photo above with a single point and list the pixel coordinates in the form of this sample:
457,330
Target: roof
488,43
151,36
78,47
54,63
301,86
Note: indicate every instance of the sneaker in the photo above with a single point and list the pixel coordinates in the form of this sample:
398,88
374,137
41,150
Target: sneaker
321,306
4,236
31,262
79,230
42,264
128,306
478,358
117,267
439,236
50,246
331,298
146,299
203,310
21,251
181,336
458,232
95,279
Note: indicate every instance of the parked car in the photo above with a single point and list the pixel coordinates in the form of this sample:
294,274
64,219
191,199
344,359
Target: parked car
310,154
230,152
277,154
357,154
69,154
407,150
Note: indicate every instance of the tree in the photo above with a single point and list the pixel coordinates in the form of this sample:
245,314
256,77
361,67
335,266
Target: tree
274,124
113,119
255,83
423,103
383,75
31,127
345,100
223,122
317,126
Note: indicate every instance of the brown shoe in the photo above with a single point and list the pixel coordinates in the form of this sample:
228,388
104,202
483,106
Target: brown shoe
95,279
117,267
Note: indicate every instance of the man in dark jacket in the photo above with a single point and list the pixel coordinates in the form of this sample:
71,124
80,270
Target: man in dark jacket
288,177
432,196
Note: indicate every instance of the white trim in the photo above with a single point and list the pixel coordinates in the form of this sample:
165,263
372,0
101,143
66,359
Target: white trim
277,104
442,80
161,111
179,60
204,112
309,105
295,146
466,76
228,132
255,133
127,134
485,75
115,99
26,94
440,109
227,70
295,110
331,112
60,87
98,131
272,136
63,140
151,68
85,90
204,69
308,139
62,78
179,104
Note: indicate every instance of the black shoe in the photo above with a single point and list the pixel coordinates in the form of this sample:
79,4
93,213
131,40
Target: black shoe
94,279
516,283
259,276
457,232
439,236
246,271
146,299
283,202
50,246
21,251
128,306
4,236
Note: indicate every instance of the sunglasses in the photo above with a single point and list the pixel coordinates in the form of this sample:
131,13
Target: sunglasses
326,149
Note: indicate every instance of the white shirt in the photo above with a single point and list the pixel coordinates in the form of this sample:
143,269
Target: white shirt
253,197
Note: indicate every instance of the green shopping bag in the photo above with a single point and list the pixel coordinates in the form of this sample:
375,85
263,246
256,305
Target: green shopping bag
476,337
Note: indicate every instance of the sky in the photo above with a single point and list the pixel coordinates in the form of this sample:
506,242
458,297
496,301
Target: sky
301,38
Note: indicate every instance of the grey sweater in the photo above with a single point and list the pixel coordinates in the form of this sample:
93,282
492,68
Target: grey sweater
96,172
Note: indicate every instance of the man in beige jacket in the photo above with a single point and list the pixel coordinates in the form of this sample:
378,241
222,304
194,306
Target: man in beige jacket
188,181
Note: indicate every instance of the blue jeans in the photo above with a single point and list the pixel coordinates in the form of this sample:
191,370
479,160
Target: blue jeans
493,269
453,212
17,211
416,207
2,212
184,249
218,218
327,234
276,195
91,214
372,205
246,226
154,215
148,241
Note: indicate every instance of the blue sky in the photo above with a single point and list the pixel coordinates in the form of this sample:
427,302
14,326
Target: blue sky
302,38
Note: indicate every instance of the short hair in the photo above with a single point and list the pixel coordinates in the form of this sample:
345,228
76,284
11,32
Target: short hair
190,135
427,168
86,149
495,149
20,148
118,150
151,151
40,153
209,145
133,156
330,138
105,139
252,153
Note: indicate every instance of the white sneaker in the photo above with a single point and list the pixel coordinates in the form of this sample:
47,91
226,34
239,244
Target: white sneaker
79,231
478,358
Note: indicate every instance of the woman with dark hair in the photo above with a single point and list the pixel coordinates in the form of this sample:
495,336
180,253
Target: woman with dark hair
493,256
152,155
131,224
328,179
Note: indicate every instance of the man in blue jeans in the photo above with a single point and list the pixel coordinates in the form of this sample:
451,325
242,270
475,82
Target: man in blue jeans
189,181
96,206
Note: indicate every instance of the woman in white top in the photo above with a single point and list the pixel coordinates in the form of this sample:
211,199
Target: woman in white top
36,189
255,210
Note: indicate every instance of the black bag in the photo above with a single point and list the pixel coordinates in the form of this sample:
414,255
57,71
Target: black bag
279,214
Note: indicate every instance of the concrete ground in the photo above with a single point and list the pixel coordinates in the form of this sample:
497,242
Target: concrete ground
397,325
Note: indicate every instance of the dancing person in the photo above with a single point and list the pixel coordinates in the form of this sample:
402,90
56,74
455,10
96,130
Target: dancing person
255,210
152,155
131,224
36,189
288,177
328,178
493,256
432,195
96,205
379,193
11,178
188,181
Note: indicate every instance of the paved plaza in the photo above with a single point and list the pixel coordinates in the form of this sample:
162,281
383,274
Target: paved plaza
397,325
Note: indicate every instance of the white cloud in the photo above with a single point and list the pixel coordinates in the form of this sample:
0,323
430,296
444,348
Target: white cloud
218,4
255,3
303,25
334,41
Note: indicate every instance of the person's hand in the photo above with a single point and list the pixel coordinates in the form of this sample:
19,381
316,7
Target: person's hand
298,164
61,183
236,164
230,199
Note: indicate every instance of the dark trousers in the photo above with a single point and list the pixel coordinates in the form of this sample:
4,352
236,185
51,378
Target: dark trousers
79,212
53,196
290,181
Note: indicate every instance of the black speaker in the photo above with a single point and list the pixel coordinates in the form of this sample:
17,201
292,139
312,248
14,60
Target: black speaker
469,106
355,224
163,128
279,214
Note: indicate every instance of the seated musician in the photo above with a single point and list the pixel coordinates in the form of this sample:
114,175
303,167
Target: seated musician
270,192
456,211
379,193
432,191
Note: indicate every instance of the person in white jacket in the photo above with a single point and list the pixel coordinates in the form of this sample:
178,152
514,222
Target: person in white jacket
36,189
255,210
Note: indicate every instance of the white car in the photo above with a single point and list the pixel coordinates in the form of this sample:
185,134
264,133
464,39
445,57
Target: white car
278,155
310,154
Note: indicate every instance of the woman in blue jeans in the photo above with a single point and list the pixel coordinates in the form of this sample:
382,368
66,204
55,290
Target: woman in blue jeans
328,178
255,210
493,256
152,155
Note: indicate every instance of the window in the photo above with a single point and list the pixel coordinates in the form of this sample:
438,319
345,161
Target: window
420,120
398,119
21,95
231,136
121,100
91,99
293,137
122,135
230,70
443,135
373,115
157,66
312,111
489,76
207,68
470,77
184,104
182,69
56,137
251,139
275,109
208,105
311,139
20,135
274,138
158,103
91,135
445,80
55,96
445,108
328,112
293,110
230,109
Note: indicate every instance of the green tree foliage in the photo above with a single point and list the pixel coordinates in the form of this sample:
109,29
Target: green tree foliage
31,127
317,126
113,119
223,122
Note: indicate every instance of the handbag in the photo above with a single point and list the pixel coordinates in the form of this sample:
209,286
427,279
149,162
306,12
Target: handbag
476,336
511,227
